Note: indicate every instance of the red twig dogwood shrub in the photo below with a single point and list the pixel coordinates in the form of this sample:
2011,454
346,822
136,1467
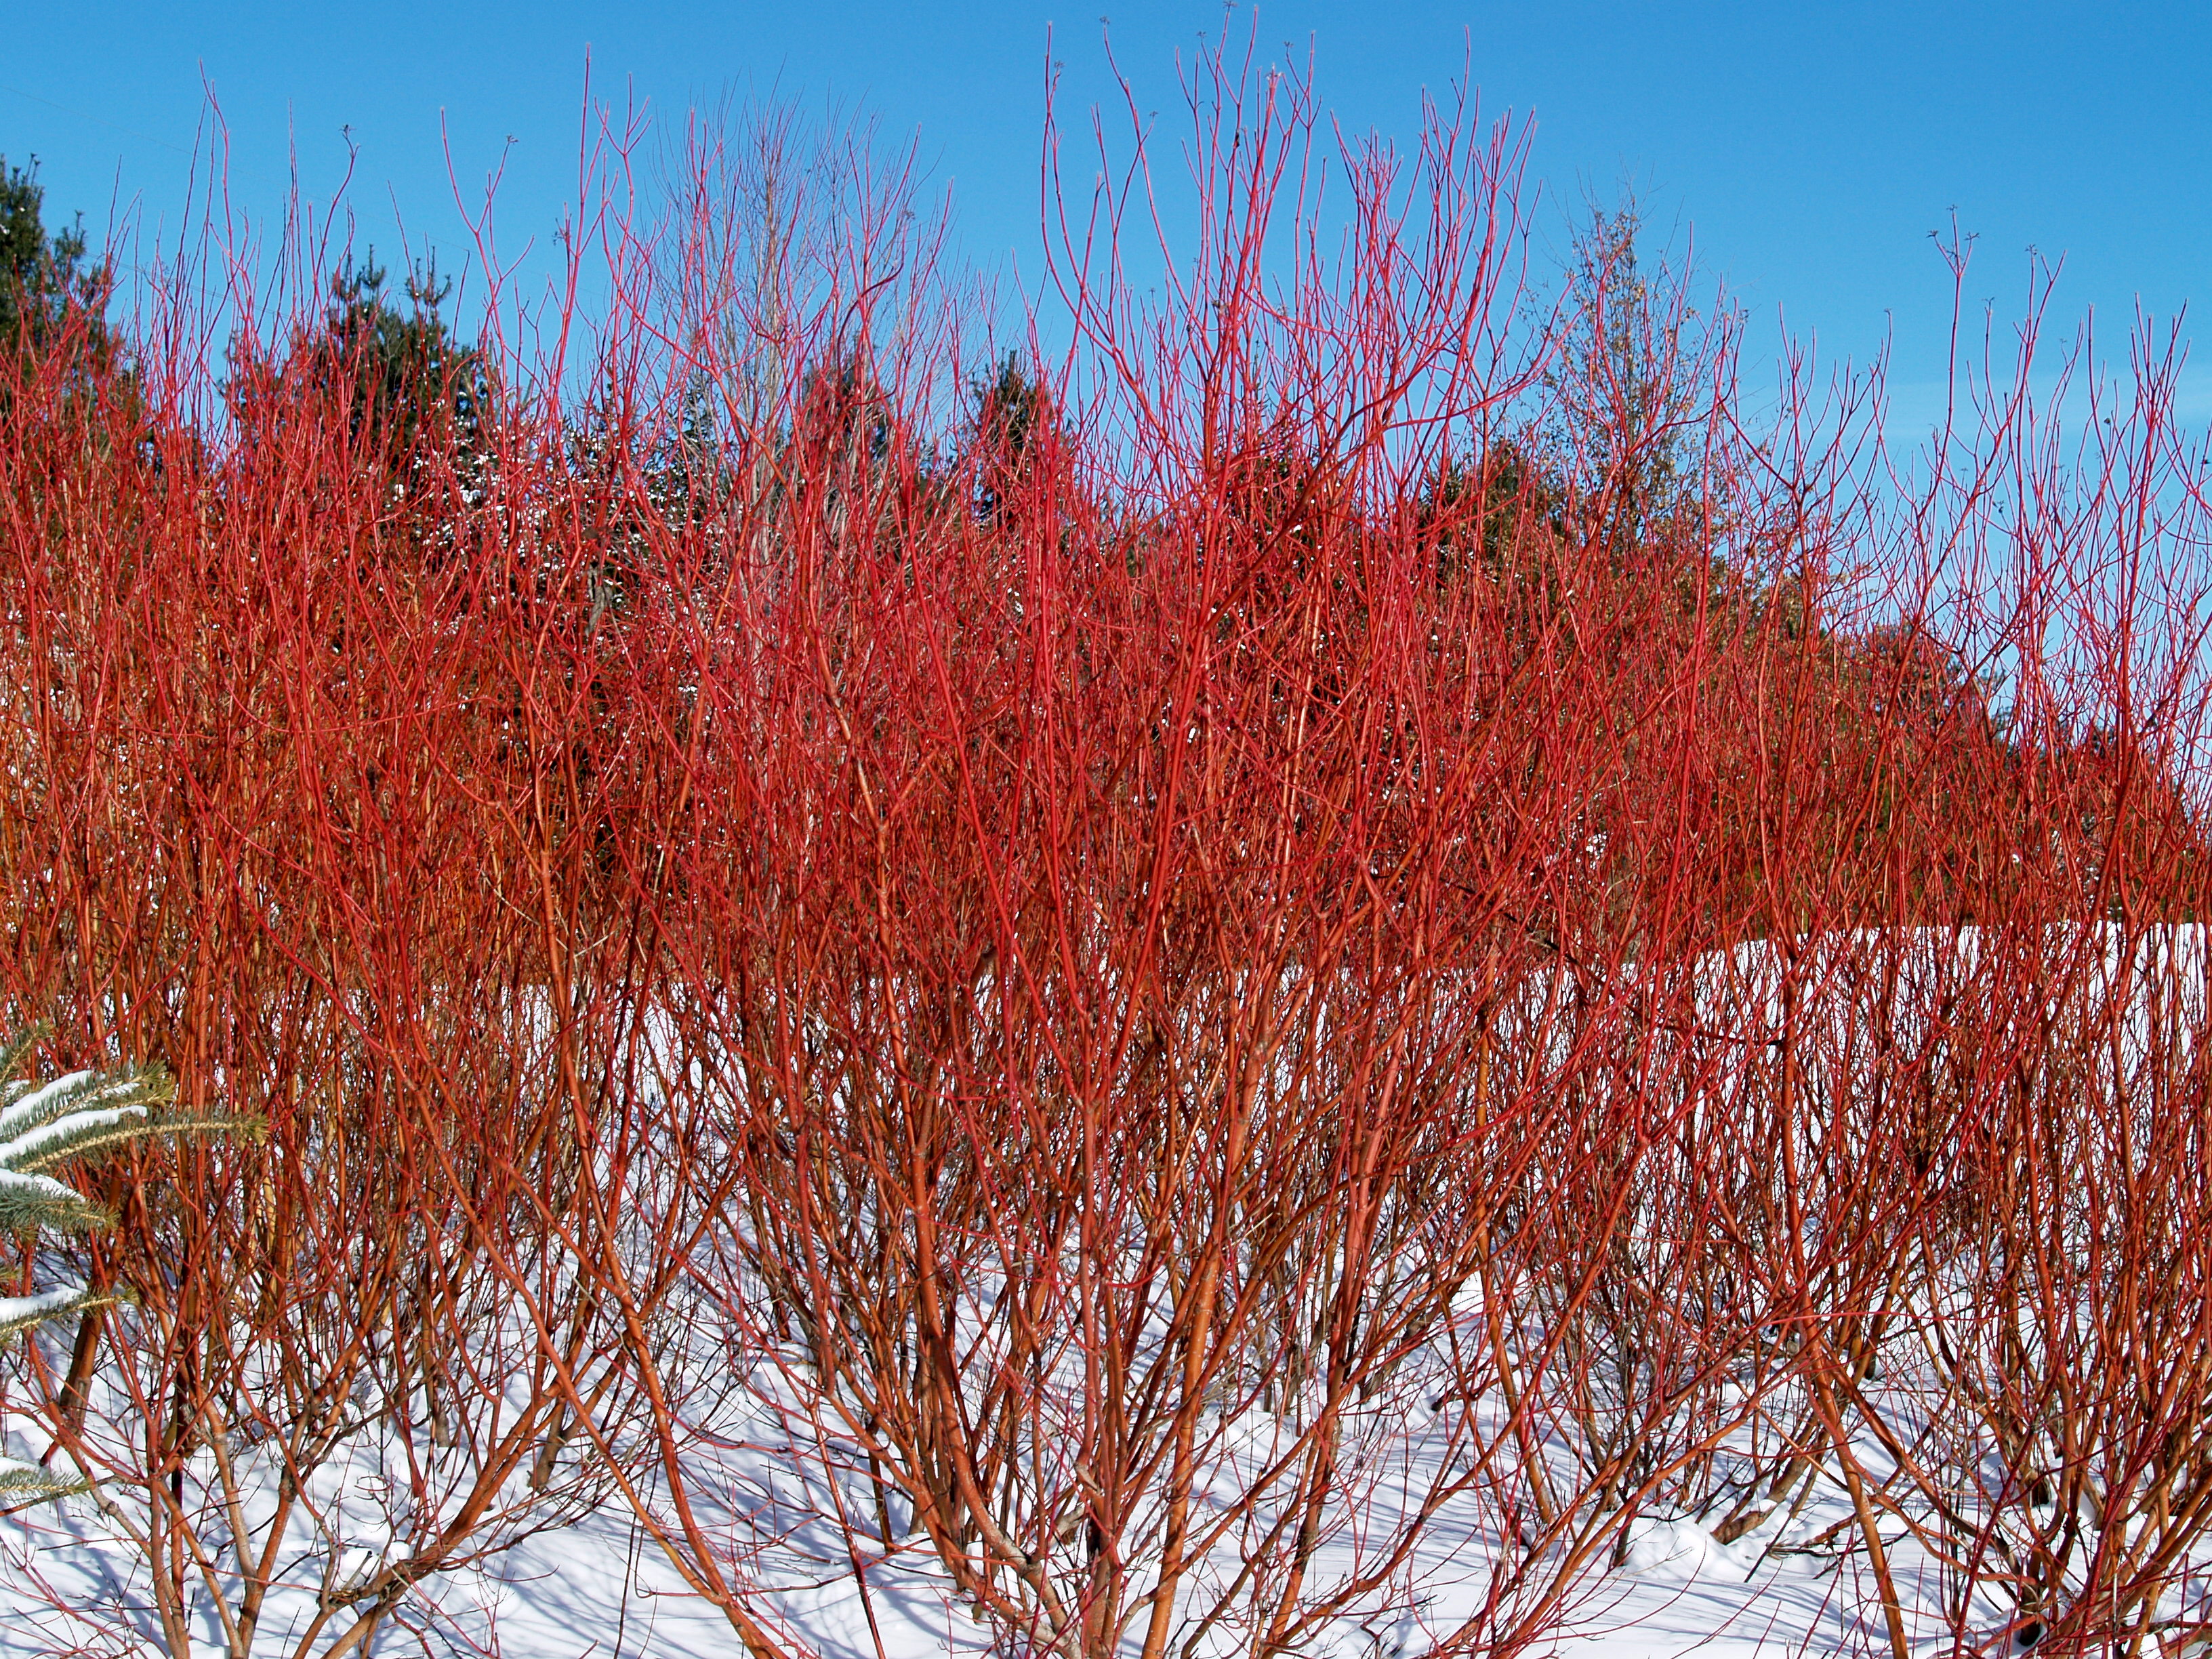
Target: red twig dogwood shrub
1283,976
285,810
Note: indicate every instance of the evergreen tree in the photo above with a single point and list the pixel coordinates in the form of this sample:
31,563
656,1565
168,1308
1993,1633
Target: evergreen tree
40,274
41,1125
412,381
1013,413
415,401
46,281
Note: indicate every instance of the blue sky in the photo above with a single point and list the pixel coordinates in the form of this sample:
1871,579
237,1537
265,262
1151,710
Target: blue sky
1808,149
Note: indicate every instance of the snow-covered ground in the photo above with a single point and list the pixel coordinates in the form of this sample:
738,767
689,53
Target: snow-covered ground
566,1569
598,1589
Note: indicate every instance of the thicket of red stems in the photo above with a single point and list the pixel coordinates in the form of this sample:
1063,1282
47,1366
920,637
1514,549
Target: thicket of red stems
1280,992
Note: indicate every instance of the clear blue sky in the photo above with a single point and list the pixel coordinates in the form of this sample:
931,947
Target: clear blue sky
1809,148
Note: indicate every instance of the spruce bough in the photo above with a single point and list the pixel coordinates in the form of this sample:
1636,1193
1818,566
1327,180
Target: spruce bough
41,1124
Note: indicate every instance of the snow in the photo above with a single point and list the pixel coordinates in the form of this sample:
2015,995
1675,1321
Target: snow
13,1307
44,1188
74,1575
34,1142
35,1104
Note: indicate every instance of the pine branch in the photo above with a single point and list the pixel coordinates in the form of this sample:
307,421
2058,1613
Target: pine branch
31,1203
44,1125
19,1313
27,1483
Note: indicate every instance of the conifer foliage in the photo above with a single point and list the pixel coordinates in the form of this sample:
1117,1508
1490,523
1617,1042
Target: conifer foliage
40,273
43,1125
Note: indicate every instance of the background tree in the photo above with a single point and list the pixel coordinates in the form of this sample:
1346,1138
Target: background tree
43,275
1013,412
1627,388
413,397
53,300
